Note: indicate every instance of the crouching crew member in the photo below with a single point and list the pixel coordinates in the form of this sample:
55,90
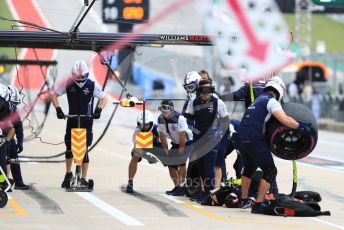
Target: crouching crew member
145,123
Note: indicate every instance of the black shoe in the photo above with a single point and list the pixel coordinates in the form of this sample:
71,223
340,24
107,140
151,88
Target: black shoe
179,191
21,186
246,203
130,188
83,183
67,179
171,191
258,208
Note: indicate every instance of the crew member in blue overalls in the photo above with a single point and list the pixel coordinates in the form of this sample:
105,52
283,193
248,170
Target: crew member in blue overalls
16,147
80,91
145,123
242,94
249,138
190,84
173,126
211,120
6,132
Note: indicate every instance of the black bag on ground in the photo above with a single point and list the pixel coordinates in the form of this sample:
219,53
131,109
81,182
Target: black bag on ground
308,196
284,205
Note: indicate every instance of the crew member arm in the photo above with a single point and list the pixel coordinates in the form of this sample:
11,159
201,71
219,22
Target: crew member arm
100,94
163,140
277,111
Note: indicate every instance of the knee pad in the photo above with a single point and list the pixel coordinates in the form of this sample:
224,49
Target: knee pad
68,154
248,171
269,173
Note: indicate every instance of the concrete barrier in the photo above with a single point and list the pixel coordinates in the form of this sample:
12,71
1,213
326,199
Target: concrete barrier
330,125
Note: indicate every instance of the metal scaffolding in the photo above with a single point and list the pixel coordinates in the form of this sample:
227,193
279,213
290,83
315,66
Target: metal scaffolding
303,25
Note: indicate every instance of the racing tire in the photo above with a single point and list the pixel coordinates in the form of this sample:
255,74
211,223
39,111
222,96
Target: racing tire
3,199
292,144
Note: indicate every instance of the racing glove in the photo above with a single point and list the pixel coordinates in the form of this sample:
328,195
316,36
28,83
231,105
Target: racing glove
59,113
97,112
306,127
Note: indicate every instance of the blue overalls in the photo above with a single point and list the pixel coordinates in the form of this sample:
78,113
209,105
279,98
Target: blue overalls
250,136
12,150
80,103
227,147
4,114
205,116
242,94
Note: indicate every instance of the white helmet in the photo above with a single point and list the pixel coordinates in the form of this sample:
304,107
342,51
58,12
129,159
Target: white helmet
191,80
4,92
149,119
80,72
14,95
276,83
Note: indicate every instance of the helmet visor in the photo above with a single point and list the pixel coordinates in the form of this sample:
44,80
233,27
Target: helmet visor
165,108
190,87
80,78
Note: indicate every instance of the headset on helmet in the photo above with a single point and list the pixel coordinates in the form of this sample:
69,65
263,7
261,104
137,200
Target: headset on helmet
14,95
191,80
80,72
277,84
205,85
149,119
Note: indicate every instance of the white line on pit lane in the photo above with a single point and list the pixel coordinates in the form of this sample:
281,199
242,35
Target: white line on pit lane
119,215
172,198
327,158
326,222
310,165
328,142
176,200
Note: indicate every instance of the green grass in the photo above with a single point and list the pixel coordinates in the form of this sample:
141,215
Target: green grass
323,29
5,25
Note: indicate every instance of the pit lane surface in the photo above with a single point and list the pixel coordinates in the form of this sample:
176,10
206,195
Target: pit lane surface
47,206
